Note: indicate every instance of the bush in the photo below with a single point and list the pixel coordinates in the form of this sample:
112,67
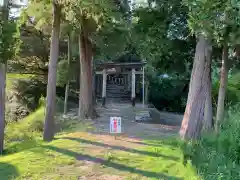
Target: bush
27,132
218,157
31,127
64,73
22,96
27,128
168,94
29,91
59,104
14,109
233,88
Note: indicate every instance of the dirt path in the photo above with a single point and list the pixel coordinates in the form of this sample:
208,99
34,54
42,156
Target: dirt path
140,153
101,157
130,127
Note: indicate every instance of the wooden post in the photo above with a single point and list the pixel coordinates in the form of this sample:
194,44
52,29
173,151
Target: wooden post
94,83
104,86
68,82
143,87
133,87
128,81
146,92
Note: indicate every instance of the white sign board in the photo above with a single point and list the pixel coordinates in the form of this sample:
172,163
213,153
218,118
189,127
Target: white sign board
115,125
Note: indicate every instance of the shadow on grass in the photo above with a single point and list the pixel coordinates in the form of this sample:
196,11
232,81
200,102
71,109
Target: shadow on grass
8,171
16,147
173,143
121,148
84,157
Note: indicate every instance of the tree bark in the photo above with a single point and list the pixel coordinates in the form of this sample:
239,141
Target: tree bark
222,88
85,94
68,82
194,112
2,104
48,134
3,68
208,111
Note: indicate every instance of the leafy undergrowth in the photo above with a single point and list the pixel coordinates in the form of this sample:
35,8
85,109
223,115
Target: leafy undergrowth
15,108
29,130
26,129
14,76
217,157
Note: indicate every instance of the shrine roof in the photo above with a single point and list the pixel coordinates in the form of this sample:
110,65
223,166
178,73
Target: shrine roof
128,60
120,64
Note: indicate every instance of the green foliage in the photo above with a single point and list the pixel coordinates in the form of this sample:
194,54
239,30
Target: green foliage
233,88
168,94
9,39
218,157
63,73
31,127
104,24
42,13
15,108
66,72
29,91
27,128
111,41
59,104
219,20
161,36
91,15
102,20
34,49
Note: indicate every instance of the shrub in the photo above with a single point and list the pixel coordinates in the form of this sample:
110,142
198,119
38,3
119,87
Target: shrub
31,127
168,94
64,73
59,104
29,91
233,88
14,109
218,156
22,96
27,128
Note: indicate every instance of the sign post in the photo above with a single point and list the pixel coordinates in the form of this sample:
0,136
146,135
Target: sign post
115,125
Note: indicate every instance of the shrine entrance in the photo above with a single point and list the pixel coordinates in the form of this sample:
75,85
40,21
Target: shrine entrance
120,82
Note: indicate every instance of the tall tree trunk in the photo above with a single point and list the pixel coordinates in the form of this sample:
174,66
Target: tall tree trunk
208,111
48,134
93,85
85,94
194,112
2,104
68,82
3,68
223,87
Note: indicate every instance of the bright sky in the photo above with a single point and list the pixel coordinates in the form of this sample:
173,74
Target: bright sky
15,12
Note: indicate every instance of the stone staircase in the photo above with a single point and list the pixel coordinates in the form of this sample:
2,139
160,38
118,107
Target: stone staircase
136,121
117,93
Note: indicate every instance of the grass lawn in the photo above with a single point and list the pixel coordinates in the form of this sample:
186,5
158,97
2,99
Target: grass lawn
83,155
76,154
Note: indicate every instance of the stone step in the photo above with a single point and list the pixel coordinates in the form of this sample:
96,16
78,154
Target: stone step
117,89
143,115
118,94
